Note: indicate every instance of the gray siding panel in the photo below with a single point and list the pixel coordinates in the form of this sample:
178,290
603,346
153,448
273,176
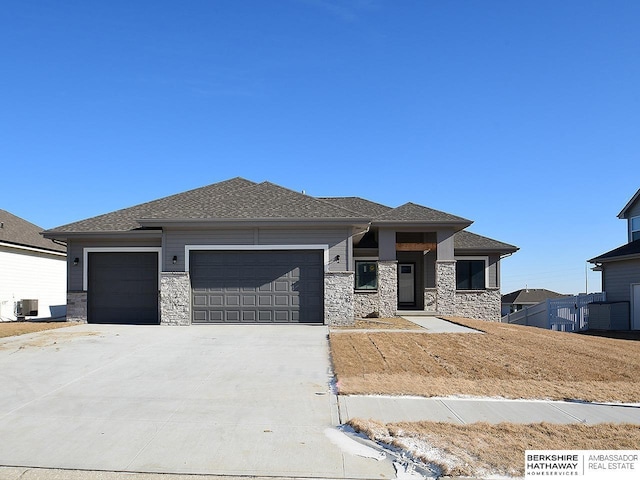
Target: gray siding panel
75,248
617,278
337,239
175,241
493,271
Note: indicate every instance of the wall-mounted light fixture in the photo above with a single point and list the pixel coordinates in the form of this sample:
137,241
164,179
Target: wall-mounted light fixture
336,258
175,259
76,261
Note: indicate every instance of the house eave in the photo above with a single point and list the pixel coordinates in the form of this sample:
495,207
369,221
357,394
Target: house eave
454,225
620,258
29,248
253,222
57,235
623,212
486,250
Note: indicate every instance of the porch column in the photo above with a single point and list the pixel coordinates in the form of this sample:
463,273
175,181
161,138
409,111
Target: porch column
445,273
387,288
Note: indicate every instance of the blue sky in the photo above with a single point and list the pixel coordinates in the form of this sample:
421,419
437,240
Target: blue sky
522,116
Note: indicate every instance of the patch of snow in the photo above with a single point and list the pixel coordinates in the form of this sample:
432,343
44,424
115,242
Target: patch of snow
407,471
351,446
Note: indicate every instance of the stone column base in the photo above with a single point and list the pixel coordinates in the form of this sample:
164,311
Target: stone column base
175,298
339,298
77,306
446,287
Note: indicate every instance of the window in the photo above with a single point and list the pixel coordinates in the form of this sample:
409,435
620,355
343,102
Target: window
470,275
635,228
366,275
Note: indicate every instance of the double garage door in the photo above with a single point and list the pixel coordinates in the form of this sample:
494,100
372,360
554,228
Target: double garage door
257,286
227,287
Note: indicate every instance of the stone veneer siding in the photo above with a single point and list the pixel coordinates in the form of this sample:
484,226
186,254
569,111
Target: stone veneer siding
77,306
366,304
483,305
446,287
339,298
430,299
175,298
388,288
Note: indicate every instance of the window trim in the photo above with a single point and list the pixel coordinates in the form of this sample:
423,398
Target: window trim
485,259
355,273
633,231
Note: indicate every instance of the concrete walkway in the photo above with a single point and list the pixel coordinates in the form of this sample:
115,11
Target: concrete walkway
438,325
468,410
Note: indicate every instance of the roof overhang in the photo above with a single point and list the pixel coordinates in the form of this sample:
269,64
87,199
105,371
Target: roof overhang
28,248
623,212
252,222
57,235
597,260
424,226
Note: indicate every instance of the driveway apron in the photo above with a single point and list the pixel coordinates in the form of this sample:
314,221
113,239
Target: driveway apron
226,400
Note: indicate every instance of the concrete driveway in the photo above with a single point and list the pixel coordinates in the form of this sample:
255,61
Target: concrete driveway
225,400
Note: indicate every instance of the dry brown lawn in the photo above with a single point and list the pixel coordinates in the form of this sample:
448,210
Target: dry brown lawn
482,449
509,361
9,329
396,323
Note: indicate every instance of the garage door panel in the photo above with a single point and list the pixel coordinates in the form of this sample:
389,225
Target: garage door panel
123,287
258,286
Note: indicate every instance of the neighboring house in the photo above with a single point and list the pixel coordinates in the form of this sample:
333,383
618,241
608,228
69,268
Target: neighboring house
245,252
526,297
621,267
31,268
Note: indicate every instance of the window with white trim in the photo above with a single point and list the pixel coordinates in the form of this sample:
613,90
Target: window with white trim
635,228
471,273
366,275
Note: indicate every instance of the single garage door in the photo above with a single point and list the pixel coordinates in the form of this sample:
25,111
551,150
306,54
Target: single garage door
257,286
123,288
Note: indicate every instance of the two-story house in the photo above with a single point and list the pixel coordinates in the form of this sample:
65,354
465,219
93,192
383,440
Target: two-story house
621,267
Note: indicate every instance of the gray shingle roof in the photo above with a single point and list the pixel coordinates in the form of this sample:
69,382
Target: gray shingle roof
18,231
465,240
360,205
631,249
530,295
262,201
126,219
411,212
235,199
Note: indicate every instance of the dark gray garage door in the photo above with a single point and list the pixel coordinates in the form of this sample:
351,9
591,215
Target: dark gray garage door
257,286
123,287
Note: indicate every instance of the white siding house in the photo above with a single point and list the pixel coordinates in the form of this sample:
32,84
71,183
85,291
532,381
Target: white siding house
31,267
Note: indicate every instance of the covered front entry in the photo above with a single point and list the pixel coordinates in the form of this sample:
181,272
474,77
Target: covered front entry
278,286
123,288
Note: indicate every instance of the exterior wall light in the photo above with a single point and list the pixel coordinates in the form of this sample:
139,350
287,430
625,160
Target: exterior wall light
175,259
76,261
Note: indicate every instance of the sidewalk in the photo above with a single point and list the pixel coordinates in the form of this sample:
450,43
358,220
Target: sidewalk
389,409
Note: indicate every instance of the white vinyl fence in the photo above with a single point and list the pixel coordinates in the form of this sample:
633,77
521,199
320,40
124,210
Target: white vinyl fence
566,314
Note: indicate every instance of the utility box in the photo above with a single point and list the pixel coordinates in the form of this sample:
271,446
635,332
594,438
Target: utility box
27,308
609,316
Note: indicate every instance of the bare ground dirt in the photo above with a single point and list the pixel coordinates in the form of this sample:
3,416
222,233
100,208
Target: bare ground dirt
9,329
508,361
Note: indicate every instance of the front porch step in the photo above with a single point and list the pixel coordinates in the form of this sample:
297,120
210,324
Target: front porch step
415,313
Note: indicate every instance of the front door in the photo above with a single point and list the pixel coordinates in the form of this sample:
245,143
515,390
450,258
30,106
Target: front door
406,284
635,306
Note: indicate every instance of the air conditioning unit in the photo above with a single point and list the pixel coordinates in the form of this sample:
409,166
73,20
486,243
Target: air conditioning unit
26,308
